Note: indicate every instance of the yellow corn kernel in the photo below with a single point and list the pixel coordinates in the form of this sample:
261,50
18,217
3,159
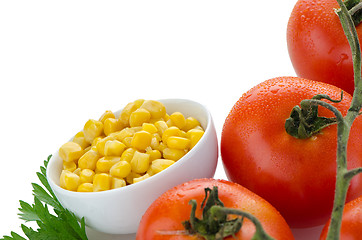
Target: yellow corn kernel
183,134
102,182
140,162
131,176
171,131
135,129
77,171
166,117
149,127
70,151
139,102
199,128
161,126
156,108
126,113
96,140
141,140
157,136
112,125
107,114
70,166
159,165
127,155
86,176
69,180
154,154
117,183
87,149
139,117
92,129
139,179
127,141
100,145
173,154
178,142
104,164
155,142
194,135
161,147
121,169
178,120
85,187
154,120
170,123
191,123
114,148
122,134
80,139
89,160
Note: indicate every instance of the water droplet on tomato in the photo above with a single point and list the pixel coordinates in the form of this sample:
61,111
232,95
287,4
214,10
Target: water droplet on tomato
180,195
274,89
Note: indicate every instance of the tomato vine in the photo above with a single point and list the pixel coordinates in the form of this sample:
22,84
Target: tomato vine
298,126
344,175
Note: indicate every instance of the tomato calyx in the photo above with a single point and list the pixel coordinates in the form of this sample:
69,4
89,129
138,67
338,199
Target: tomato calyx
211,226
215,224
304,121
354,8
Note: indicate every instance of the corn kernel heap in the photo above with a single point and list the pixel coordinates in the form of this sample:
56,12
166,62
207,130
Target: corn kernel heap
117,151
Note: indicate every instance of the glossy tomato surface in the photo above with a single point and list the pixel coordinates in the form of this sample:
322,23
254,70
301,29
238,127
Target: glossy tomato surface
317,46
351,221
167,213
297,176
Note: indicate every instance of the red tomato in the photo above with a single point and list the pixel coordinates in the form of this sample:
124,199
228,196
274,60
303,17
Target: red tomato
297,176
351,221
317,45
172,208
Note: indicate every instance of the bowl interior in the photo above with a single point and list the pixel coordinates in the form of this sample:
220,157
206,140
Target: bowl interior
186,107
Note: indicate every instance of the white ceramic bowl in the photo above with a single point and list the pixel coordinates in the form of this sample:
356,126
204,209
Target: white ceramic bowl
119,211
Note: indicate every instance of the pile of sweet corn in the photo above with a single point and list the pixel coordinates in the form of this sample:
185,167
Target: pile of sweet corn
116,151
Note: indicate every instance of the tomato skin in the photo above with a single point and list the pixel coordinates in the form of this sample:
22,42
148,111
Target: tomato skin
317,45
351,221
169,211
297,176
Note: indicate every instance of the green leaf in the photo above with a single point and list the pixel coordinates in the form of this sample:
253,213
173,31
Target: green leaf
27,212
44,196
44,181
64,225
14,236
38,235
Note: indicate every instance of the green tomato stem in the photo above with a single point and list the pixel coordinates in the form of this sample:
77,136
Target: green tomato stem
215,224
260,234
344,176
351,173
304,121
354,8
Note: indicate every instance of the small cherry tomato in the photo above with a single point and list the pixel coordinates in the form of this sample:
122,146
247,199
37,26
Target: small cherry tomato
164,218
297,176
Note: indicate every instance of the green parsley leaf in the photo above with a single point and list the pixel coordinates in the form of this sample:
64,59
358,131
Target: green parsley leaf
63,225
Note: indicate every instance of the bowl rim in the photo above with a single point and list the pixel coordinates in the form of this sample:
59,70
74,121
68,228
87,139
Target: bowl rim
133,187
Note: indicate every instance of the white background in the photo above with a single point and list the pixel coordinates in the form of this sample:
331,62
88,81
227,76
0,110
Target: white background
63,62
